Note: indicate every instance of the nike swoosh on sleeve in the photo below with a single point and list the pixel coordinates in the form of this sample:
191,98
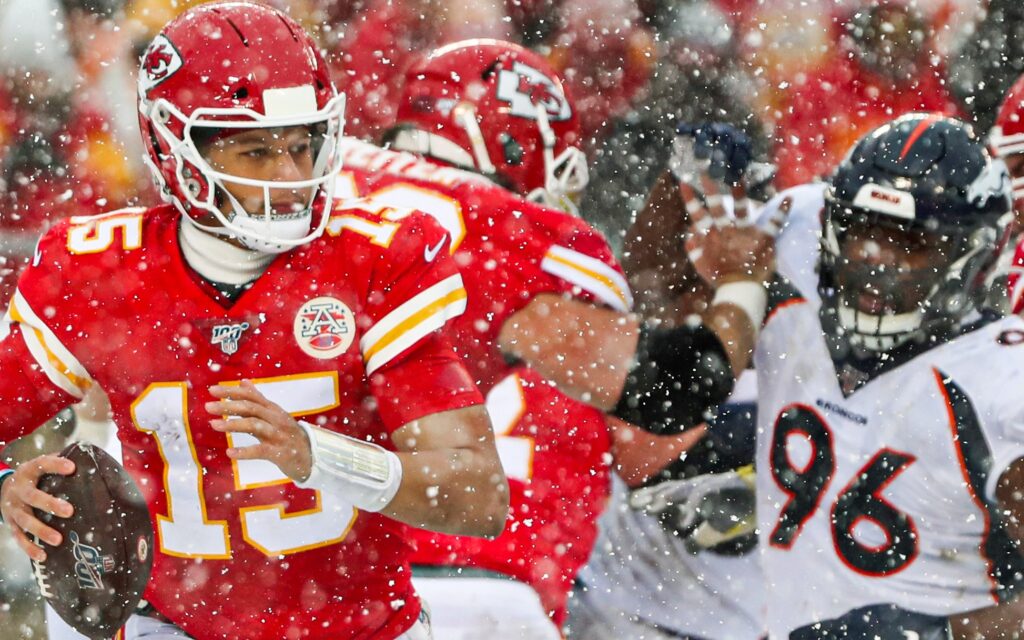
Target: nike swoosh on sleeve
429,253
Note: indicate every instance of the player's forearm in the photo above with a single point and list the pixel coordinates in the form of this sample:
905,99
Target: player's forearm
665,286
455,491
452,480
640,455
587,351
735,330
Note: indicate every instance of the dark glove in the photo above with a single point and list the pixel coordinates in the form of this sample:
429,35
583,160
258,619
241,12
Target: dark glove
707,510
726,148
879,622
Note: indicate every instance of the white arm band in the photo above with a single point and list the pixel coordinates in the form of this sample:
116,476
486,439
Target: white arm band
365,474
749,296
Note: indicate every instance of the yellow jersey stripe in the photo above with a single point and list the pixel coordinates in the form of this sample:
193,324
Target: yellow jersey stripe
404,311
411,337
410,323
589,274
54,368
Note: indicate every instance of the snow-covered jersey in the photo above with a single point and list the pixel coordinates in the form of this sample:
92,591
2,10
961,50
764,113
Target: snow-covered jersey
509,250
342,331
884,496
556,455
554,449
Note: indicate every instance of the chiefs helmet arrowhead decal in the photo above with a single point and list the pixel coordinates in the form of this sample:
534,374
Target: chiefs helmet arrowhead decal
160,62
524,87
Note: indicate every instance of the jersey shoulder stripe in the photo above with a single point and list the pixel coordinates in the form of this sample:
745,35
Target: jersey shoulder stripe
589,274
413,320
55,360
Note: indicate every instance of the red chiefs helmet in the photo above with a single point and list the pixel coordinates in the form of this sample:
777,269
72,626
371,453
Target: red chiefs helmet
498,109
232,66
1007,136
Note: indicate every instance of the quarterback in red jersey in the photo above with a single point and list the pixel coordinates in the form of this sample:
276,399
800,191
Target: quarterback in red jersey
487,138
214,321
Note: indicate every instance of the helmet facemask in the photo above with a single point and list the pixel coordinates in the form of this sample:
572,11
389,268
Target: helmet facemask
205,187
889,280
565,176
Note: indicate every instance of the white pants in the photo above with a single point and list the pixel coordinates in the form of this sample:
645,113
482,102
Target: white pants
57,629
484,609
143,628
596,623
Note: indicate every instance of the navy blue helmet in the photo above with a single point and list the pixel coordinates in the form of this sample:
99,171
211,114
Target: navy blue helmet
915,218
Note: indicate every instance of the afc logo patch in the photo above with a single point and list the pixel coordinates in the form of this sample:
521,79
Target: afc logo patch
525,87
160,61
324,327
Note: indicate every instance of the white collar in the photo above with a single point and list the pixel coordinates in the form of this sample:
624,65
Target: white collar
218,260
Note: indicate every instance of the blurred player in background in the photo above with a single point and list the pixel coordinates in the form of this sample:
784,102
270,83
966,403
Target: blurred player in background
882,63
486,141
1007,141
661,568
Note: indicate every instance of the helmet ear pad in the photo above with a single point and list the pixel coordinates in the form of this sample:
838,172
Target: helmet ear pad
187,181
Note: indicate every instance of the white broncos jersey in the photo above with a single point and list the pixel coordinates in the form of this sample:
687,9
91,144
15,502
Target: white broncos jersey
884,496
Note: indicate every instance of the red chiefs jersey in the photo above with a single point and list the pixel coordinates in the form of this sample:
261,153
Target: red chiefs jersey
342,331
556,455
509,250
555,450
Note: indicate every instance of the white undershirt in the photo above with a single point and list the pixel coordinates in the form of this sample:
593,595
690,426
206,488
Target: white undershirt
218,260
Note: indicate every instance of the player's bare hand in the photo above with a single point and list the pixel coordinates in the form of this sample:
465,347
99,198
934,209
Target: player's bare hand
725,249
279,438
19,495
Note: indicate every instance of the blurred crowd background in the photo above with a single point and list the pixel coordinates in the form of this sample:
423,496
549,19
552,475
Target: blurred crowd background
804,78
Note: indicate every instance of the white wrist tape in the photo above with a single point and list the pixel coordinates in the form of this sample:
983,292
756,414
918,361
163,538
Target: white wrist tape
747,295
363,473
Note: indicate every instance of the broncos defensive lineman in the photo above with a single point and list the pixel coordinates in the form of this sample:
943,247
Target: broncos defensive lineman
891,431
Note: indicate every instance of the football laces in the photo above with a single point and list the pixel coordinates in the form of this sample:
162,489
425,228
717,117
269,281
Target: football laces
40,574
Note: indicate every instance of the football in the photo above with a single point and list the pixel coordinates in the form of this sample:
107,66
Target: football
95,578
